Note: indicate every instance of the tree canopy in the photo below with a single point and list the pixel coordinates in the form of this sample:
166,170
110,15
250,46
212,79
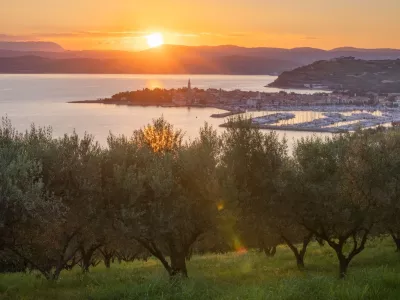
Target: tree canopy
67,202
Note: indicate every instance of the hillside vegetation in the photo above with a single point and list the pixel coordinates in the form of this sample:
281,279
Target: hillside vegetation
202,210
345,73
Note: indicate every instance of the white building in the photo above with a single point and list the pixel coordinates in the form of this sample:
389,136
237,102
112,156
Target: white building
396,101
254,102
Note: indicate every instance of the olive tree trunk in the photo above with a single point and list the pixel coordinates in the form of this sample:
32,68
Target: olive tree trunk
396,240
299,253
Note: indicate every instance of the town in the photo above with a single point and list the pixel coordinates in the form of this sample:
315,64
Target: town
343,110
247,100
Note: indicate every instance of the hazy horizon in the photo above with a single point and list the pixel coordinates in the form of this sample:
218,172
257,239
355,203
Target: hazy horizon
344,47
124,25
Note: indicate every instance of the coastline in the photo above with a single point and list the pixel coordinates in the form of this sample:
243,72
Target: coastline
277,112
228,110
325,89
234,109
293,128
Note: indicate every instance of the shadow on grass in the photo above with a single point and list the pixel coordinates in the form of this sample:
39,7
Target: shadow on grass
374,274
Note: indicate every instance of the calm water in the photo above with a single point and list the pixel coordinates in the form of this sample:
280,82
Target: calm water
42,99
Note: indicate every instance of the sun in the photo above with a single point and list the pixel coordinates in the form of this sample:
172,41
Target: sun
155,40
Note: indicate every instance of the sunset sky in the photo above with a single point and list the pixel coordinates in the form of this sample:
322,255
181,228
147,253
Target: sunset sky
122,24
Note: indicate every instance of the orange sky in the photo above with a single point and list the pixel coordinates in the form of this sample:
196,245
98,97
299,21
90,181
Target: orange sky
121,24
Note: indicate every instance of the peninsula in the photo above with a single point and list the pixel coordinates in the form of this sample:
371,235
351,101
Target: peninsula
280,104
345,73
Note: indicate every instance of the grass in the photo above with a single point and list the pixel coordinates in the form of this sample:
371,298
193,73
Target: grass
374,274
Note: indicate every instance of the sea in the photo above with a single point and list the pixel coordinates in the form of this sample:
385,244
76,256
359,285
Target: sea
43,100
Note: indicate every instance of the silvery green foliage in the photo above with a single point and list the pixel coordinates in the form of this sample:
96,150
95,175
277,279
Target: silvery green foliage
24,201
168,194
337,185
71,173
387,183
254,170
53,186
21,188
66,199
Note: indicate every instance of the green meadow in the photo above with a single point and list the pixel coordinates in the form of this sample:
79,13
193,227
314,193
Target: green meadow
374,274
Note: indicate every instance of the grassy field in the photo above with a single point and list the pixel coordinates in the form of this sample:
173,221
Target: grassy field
374,274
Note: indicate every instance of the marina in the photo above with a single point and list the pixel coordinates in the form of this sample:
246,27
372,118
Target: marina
273,118
330,122
227,114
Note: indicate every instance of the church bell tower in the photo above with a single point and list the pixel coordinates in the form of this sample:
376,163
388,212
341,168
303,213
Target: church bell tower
189,93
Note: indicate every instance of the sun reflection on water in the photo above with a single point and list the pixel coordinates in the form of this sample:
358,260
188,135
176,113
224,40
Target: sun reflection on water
154,84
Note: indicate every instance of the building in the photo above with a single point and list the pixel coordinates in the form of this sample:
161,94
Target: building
333,99
179,99
396,101
189,93
254,101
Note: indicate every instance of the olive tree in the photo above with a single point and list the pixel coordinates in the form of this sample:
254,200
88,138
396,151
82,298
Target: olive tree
26,207
70,173
252,174
387,152
166,190
337,187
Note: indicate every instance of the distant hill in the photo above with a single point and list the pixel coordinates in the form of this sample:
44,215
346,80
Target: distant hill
299,56
41,65
345,73
183,65
176,59
31,46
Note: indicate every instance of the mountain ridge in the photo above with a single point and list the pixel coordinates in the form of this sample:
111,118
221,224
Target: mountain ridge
181,59
227,65
31,46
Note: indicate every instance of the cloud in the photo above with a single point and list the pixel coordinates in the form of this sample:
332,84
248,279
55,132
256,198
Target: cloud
238,34
109,35
311,38
15,38
185,34
226,35
73,34
94,34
